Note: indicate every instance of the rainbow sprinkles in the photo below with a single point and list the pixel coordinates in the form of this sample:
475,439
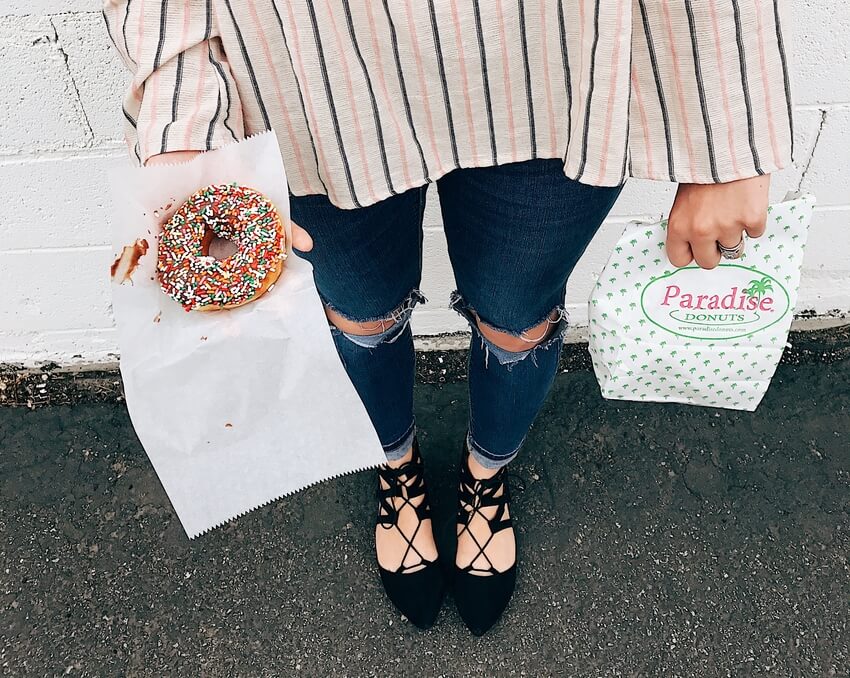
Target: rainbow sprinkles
198,281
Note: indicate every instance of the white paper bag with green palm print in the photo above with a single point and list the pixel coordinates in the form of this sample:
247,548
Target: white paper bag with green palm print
689,335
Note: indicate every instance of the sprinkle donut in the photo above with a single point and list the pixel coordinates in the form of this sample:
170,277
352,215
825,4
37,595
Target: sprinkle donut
200,282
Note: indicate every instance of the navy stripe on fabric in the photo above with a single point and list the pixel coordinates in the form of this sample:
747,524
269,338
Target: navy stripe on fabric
742,58
589,102
249,66
485,78
403,86
175,101
132,122
532,132
709,136
300,96
441,67
565,59
331,105
627,161
163,20
659,89
124,32
789,105
214,120
220,69
375,112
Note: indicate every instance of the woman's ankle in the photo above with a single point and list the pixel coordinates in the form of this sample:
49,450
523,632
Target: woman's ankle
478,470
395,463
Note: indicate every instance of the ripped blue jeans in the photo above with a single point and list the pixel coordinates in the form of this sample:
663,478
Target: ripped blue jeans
514,234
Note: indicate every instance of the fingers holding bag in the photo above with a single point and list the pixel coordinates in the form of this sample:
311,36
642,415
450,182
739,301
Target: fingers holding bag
708,218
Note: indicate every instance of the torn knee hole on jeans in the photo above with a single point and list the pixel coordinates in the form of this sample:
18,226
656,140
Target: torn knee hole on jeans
555,322
387,328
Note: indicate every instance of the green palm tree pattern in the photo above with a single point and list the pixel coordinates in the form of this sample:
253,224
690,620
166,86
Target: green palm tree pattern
634,359
757,288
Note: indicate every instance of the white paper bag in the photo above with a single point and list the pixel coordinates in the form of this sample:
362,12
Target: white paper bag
689,335
235,408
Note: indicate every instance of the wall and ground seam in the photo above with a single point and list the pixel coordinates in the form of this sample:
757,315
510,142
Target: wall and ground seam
60,135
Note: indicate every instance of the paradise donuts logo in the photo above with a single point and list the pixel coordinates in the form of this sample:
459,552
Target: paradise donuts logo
729,302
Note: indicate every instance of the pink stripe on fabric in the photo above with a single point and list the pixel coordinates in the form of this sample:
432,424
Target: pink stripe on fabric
184,38
196,110
293,138
724,89
680,88
154,80
506,75
137,90
464,78
553,142
141,31
579,97
612,92
140,88
644,123
236,110
358,128
765,79
382,81
199,92
308,101
184,35
423,86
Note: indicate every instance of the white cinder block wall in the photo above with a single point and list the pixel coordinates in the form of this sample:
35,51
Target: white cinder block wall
60,92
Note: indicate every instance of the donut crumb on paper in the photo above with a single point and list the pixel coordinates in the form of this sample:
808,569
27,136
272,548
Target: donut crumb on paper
162,211
125,263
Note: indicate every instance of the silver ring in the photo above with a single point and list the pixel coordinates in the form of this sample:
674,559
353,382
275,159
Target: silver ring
732,252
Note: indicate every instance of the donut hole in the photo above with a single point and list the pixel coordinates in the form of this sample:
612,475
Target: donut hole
217,247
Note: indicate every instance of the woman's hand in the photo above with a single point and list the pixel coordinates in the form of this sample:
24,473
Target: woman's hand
706,214
301,240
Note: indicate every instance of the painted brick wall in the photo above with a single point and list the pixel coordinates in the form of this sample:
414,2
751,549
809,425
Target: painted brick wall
60,89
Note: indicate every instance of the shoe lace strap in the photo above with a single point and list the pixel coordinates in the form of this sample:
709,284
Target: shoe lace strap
404,483
474,495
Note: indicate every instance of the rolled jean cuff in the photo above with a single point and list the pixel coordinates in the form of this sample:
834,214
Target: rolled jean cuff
487,459
398,449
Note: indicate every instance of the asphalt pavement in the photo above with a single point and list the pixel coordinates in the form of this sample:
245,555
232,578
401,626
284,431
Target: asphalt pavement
656,540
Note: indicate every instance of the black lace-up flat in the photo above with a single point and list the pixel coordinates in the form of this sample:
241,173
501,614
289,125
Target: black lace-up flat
482,593
416,590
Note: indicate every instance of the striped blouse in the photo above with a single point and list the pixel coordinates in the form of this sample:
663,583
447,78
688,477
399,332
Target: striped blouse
372,97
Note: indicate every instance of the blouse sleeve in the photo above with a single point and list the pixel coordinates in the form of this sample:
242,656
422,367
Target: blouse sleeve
710,100
182,95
